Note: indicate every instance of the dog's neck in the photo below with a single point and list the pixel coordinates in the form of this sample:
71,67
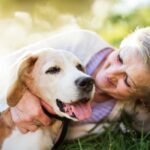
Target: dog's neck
63,128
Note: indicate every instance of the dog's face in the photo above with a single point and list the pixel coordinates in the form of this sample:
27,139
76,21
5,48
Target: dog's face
58,78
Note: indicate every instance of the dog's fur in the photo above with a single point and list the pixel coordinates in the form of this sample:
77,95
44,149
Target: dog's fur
34,72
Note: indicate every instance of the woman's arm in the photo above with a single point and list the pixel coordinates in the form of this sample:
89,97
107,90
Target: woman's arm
82,43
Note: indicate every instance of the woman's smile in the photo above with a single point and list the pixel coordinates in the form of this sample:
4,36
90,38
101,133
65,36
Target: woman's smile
117,74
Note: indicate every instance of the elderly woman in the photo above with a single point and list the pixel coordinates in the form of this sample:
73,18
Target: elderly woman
120,75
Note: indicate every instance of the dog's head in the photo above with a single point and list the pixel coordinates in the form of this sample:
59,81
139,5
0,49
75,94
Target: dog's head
58,78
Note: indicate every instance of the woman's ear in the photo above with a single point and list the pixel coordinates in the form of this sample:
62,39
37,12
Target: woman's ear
18,87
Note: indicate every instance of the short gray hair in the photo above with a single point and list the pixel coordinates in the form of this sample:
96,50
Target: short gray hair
140,38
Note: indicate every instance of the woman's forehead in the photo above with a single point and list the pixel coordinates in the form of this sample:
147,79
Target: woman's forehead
131,54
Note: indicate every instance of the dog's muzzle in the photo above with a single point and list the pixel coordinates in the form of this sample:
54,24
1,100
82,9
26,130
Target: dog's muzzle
81,108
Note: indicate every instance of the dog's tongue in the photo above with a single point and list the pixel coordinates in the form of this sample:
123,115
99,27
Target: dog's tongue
81,110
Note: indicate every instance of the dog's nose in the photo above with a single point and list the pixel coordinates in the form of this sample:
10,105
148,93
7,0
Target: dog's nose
85,83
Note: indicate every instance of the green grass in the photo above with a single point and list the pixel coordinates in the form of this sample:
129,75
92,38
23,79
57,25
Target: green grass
111,140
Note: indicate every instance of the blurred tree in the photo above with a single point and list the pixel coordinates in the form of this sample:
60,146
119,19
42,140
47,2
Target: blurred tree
117,26
95,15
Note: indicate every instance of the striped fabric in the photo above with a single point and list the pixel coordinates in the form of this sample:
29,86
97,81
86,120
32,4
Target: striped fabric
99,109
97,59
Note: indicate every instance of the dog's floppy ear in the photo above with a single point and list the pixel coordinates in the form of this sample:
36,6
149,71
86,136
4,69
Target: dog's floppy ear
18,87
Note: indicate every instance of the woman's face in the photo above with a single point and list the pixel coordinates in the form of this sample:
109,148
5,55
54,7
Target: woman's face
123,74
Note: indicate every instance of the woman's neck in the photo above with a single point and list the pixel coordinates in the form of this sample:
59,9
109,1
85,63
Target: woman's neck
100,97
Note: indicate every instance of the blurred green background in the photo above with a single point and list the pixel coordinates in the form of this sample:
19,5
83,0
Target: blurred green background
25,21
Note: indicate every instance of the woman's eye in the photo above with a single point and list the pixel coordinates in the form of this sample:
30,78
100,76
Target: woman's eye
79,67
120,59
53,70
126,81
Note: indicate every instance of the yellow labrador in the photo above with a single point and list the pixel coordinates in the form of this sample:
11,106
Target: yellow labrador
58,78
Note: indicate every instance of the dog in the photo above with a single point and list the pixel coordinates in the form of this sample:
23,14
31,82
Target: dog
56,76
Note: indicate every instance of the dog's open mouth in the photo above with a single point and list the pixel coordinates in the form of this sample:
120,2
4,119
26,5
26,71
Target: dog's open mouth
78,110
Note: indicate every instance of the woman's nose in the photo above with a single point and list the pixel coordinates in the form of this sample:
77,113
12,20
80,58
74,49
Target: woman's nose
115,74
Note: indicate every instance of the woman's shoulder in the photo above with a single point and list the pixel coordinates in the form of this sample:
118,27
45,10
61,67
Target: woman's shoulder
82,35
65,39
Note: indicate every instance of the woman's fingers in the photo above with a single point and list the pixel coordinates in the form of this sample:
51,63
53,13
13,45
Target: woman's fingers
24,127
24,124
23,130
32,128
28,113
24,120
43,118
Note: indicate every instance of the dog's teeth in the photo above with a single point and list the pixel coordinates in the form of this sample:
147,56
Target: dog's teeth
73,115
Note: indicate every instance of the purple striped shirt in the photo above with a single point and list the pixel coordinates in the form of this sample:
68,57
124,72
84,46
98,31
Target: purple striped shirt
100,110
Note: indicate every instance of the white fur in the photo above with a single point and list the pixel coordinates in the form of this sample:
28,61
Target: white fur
39,140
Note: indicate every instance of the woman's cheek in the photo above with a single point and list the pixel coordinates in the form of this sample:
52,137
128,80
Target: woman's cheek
99,79
122,89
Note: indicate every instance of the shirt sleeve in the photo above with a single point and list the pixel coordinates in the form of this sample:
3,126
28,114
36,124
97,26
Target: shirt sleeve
82,43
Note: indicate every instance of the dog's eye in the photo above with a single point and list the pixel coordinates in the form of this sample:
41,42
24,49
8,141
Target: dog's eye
53,70
79,67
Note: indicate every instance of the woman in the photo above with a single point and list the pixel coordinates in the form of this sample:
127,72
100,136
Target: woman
119,74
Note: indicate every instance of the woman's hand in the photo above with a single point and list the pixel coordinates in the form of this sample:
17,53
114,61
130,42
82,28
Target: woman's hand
28,114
